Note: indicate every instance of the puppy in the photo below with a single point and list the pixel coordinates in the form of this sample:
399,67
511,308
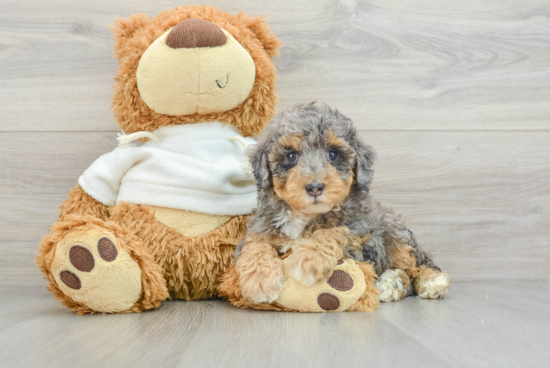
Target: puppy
313,174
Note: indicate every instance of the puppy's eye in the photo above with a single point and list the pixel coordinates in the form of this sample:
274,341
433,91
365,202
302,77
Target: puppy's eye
292,157
332,155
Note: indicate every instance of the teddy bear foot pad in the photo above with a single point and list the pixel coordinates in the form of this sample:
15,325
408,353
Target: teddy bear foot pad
336,294
349,288
90,269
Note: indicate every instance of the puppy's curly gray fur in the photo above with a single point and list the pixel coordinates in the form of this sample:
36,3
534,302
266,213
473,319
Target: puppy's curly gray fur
362,214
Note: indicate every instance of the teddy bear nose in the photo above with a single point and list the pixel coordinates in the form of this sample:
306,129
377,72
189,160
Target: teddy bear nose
315,189
193,33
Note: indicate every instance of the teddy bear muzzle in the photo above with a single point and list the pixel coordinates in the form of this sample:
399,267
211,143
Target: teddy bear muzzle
196,67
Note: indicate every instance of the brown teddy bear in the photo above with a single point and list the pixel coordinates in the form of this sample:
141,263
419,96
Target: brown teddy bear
160,216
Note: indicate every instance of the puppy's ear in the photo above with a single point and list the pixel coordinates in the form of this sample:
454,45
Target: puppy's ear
257,155
363,169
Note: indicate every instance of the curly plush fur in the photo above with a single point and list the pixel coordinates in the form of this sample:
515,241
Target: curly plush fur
169,264
153,283
134,35
315,145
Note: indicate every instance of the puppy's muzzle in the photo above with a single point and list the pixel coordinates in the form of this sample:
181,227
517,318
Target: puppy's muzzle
315,189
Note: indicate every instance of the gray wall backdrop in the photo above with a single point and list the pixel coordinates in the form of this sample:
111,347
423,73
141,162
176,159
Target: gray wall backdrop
453,94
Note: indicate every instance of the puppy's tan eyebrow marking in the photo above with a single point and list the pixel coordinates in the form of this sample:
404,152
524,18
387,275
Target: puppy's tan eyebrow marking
334,140
294,141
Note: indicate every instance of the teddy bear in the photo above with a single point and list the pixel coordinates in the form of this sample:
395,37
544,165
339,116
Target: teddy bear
160,216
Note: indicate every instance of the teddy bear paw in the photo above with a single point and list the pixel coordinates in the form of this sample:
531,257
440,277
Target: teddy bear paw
91,269
337,293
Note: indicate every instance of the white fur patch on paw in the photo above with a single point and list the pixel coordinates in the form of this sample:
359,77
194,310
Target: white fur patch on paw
306,279
271,293
436,288
390,286
261,298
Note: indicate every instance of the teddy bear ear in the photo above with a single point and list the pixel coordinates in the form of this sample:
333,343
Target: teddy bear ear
257,25
124,30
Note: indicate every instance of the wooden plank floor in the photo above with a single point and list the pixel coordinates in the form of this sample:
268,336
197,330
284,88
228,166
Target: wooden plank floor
484,324
452,94
390,65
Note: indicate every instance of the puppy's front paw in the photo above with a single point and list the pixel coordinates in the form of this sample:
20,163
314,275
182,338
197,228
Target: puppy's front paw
262,284
310,266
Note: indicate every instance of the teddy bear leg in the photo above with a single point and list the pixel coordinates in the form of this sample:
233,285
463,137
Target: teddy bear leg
349,288
99,267
431,283
369,301
393,285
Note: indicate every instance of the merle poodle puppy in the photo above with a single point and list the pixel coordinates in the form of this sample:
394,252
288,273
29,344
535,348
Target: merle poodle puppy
313,174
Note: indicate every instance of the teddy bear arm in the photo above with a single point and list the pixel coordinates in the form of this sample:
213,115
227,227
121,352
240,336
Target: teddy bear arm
81,203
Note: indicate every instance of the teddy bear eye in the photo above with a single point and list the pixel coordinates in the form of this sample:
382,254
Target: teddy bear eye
332,155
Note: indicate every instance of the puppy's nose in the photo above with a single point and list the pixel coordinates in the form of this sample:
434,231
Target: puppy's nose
315,189
193,33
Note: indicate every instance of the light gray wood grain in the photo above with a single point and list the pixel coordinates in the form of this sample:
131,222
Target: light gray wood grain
452,94
20,304
17,263
476,325
483,325
390,65
478,200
